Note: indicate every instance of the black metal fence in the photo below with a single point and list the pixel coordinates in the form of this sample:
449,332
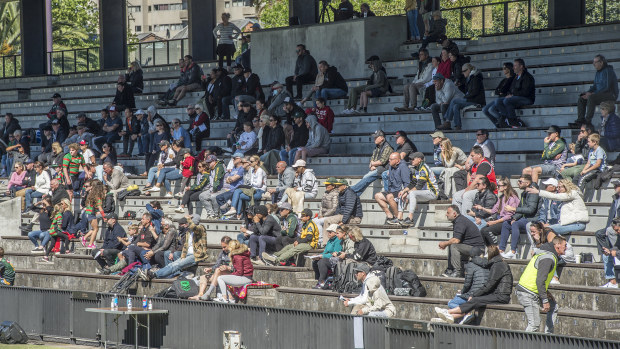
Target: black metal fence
61,314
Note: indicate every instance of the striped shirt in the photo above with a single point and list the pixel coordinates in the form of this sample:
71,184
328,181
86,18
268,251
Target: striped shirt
90,209
227,33
7,272
422,178
56,224
73,163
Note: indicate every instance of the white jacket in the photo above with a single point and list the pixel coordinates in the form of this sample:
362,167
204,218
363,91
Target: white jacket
374,297
307,183
573,210
447,92
426,74
42,183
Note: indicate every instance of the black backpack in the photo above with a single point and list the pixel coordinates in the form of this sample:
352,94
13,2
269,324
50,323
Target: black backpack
12,333
392,279
344,277
409,279
123,285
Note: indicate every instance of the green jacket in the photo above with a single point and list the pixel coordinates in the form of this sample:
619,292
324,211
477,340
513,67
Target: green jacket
289,225
218,177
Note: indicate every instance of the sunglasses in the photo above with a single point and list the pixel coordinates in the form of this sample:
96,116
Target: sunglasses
480,134
176,123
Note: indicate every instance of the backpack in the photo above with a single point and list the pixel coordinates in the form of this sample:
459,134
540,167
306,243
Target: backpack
344,279
383,264
12,333
123,285
129,214
184,288
409,279
392,279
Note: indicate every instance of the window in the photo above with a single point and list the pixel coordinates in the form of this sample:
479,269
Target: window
134,8
227,4
149,8
138,28
150,28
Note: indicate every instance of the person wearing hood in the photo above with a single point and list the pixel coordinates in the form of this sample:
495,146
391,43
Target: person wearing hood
473,96
423,186
476,275
532,289
373,301
376,86
304,187
318,140
334,85
305,71
496,290
276,101
604,88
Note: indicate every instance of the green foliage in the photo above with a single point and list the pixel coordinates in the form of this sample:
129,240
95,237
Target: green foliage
9,28
74,24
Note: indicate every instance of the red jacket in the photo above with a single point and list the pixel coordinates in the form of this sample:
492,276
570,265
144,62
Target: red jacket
325,117
445,68
188,167
242,264
202,119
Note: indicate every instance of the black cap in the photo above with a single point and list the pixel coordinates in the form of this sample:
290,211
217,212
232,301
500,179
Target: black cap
378,133
28,161
262,210
111,216
362,267
183,220
55,122
56,95
299,114
401,134
306,212
616,184
417,155
553,128
81,115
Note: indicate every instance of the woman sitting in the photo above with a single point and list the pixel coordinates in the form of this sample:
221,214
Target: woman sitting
212,273
363,250
241,272
61,221
165,164
41,185
45,222
490,110
496,290
108,154
192,193
252,190
16,180
573,214
453,160
329,257
180,154
55,162
485,199
507,197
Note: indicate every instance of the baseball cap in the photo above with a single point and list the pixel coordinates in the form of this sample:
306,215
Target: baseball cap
378,133
28,161
553,128
289,100
111,216
439,76
616,184
164,142
56,95
183,220
330,180
211,158
306,212
437,134
342,181
140,112
81,115
551,181
262,210
401,134
112,108
362,267
83,142
55,122
237,155
417,155
299,163
332,227
299,114
286,206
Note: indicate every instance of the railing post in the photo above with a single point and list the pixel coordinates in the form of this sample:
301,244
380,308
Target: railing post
461,14
168,52
4,66
140,53
153,52
483,18
505,17
604,11
15,66
88,59
62,61
75,61
529,14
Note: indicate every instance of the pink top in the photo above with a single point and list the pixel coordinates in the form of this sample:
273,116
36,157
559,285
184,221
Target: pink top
512,201
16,179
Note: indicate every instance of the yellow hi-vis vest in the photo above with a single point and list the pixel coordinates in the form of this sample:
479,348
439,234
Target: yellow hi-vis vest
528,278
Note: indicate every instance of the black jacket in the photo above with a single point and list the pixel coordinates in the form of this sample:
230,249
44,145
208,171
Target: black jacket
524,86
500,277
133,126
300,136
349,205
475,89
58,195
275,139
333,79
29,178
486,199
306,64
289,116
108,204
476,276
528,206
238,84
110,240
504,87
9,129
193,74
253,88
242,118
364,252
223,87
135,80
614,210
124,99
269,227
92,126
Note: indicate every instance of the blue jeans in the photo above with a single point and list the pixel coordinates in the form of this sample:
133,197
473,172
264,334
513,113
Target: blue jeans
412,19
384,178
608,266
242,239
173,268
258,244
491,112
288,156
327,93
507,105
455,302
565,230
150,180
239,198
168,174
145,146
454,110
7,162
482,224
31,194
224,197
512,230
366,181
45,237
175,256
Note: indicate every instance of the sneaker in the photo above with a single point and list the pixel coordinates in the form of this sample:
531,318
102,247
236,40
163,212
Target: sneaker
154,189
392,221
509,255
142,274
319,286
231,212
406,222
443,314
346,111
91,246
83,241
447,273
178,195
554,281
36,250
97,254
220,300
401,109
106,271
610,285
269,258
467,319
179,209
169,195
257,261
46,260
438,320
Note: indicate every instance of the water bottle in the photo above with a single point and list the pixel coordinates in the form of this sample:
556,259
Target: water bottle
129,305
144,302
150,305
115,302
405,232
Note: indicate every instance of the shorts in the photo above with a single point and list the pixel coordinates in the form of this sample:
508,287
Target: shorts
90,217
375,92
548,170
385,193
225,49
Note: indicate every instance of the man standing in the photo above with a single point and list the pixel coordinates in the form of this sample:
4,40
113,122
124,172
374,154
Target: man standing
534,283
378,162
605,88
465,236
305,71
399,178
112,245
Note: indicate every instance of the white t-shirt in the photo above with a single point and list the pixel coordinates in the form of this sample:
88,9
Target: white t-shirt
87,154
190,244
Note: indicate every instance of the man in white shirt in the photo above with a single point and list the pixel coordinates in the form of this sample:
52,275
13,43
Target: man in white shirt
373,300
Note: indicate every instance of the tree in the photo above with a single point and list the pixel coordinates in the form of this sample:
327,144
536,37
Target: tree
75,24
9,28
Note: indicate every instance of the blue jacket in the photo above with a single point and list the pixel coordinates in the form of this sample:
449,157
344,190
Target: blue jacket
111,237
399,177
333,245
549,211
614,210
156,216
605,80
612,133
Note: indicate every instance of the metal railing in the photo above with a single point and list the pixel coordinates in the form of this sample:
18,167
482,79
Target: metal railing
517,16
158,52
61,315
11,66
74,61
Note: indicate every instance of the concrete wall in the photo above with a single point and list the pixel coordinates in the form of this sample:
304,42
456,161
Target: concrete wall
345,45
10,216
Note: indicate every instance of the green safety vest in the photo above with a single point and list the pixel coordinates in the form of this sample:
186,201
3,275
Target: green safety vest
528,278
